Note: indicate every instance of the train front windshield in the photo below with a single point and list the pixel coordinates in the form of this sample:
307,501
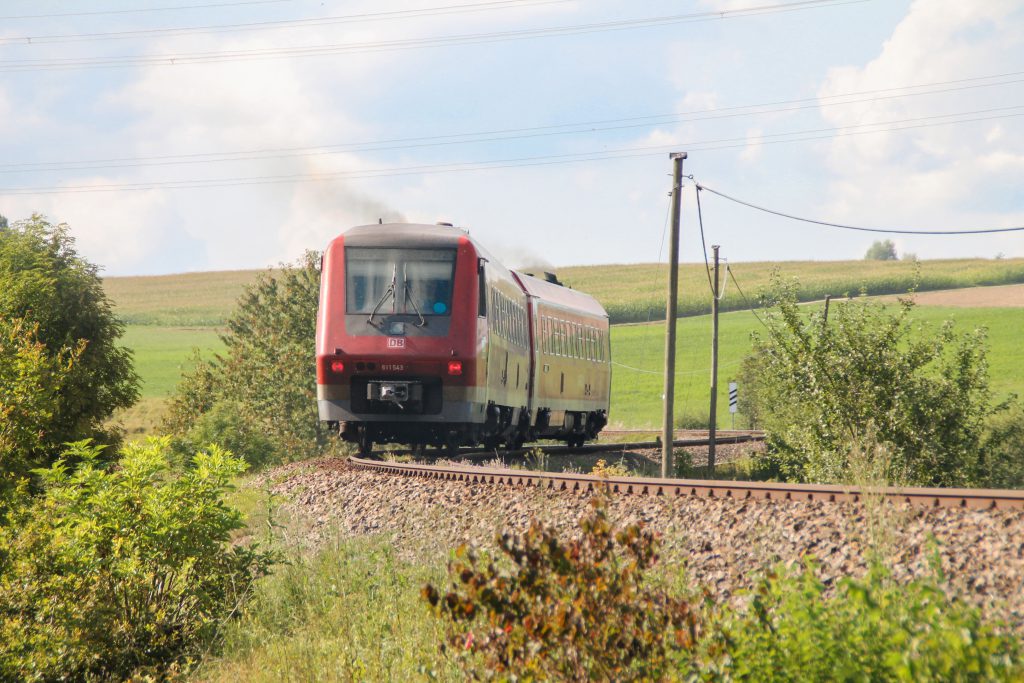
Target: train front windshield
401,281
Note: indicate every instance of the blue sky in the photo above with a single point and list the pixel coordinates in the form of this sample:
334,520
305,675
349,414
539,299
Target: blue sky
948,74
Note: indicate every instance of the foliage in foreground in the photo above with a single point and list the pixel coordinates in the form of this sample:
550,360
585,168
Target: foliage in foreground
261,394
583,609
112,569
869,629
59,340
825,388
575,609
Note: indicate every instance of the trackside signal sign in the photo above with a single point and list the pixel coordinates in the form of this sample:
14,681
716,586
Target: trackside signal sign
734,394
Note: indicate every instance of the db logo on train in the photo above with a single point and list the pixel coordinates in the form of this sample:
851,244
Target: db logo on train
396,342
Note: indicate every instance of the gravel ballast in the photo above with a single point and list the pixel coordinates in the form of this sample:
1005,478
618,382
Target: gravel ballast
721,543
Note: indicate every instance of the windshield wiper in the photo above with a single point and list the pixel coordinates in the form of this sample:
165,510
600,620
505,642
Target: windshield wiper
390,290
409,299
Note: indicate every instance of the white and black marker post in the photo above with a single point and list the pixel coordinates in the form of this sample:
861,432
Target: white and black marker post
734,399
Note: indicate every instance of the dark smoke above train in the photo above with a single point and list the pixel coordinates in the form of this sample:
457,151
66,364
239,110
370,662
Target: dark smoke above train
424,338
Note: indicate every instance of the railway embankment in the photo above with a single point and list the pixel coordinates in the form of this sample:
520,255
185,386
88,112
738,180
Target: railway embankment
717,544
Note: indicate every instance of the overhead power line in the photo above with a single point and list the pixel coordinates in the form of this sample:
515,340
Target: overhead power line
145,10
504,134
276,24
891,231
409,44
542,160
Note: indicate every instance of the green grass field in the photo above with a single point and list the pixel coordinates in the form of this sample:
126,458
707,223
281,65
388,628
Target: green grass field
169,315
636,393
163,353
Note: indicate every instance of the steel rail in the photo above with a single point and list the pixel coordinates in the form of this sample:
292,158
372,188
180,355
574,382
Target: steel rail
975,499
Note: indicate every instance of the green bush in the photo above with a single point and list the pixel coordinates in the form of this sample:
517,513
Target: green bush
866,376
59,298
226,425
566,610
267,373
793,628
1003,449
114,569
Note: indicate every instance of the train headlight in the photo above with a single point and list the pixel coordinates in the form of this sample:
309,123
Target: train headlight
337,366
455,367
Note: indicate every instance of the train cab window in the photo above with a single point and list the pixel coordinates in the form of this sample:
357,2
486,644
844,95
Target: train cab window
404,281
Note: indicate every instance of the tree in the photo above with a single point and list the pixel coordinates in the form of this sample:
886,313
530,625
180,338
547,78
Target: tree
66,317
868,381
3,222
31,381
266,379
881,250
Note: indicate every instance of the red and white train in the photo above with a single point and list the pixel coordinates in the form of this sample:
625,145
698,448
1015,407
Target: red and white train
424,338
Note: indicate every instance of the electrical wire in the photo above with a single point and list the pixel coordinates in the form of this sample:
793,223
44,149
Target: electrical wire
277,24
703,242
891,231
144,10
520,162
750,307
417,43
494,135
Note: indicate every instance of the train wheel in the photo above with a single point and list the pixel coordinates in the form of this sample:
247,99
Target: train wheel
491,443
419,450
365,446
452,444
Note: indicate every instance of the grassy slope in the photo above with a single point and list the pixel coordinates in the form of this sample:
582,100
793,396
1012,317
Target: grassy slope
170,315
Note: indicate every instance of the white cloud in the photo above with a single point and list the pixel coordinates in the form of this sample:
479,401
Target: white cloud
933,177
237,106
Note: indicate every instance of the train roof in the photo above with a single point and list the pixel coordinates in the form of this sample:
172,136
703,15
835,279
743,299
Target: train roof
403,235
560,295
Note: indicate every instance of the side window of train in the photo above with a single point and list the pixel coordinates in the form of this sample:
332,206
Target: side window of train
482,291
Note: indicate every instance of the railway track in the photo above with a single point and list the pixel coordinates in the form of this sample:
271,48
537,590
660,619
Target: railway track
978,499
468,453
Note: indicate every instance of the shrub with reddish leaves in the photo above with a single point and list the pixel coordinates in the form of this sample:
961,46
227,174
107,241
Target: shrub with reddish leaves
573,609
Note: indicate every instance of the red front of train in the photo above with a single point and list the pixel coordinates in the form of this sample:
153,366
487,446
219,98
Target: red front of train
424,338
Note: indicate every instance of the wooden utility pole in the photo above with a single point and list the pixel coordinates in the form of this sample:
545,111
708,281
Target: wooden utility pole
713,411
668,423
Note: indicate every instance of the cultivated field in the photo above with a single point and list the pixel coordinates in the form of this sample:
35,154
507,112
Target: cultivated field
630,293
170,316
